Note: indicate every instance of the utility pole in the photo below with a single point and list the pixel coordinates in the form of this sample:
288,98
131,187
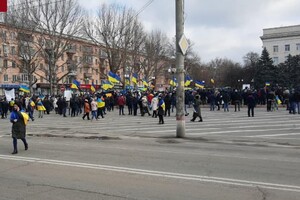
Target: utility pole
180,117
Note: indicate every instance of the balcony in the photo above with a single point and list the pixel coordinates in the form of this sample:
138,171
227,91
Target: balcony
87,75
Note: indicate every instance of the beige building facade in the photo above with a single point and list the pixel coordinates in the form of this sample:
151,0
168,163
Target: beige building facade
281,42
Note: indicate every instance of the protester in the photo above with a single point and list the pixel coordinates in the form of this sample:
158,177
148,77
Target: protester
19,121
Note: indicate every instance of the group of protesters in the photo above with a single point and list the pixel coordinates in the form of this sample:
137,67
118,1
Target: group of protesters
161,104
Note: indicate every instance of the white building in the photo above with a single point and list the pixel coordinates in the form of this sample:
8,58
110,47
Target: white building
281,41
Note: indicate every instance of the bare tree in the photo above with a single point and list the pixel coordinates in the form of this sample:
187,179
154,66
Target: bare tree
155,54
58,22
25,49
115,28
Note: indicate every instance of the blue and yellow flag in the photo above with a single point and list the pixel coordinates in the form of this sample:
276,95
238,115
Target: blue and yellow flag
106,85
145,83
75,85
134,78
173,82
127,81
93,88
162,104
199,84
113,78
25,117
24,88
100,103
187,81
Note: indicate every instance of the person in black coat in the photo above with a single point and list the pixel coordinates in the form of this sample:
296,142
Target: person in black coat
168,104
251,104
18,127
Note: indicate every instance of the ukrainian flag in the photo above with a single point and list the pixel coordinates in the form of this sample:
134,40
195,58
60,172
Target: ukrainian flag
40,106
75,85
107,85
25,117
145,83
113,78
24,88
32,104
199,84
93,88
134,78
173,82
100,103
127,81
188,81
162,104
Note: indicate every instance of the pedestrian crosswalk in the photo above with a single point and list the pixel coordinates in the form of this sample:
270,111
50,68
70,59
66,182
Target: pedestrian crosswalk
217,126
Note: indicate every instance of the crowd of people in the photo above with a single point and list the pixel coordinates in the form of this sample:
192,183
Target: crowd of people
159,103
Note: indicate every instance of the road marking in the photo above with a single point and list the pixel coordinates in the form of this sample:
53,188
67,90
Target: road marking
161,174
272,135
228,131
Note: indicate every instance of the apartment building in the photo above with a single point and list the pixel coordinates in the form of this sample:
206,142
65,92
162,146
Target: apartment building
83,61
281,42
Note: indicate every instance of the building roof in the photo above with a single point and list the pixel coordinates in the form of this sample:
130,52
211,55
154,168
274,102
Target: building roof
281,32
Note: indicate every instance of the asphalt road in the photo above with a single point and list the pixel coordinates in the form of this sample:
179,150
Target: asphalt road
228,156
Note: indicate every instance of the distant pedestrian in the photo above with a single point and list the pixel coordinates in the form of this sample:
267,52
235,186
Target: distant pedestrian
197,109
251,104
87,109
19,121
161,110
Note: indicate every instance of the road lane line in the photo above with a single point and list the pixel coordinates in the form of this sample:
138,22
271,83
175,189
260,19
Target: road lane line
273,135
162,174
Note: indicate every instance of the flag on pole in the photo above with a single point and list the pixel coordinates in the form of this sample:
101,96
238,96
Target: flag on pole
199,84
173,82
187,81
113,78
106,85
75,85
93,88
134,78
145,83
24,88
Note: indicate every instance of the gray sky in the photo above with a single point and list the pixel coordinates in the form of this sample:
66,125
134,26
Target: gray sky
219,28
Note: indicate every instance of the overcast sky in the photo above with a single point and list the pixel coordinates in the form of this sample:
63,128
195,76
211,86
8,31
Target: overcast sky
219,28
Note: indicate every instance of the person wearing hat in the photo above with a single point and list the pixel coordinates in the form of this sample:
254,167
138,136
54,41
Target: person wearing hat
19,121
197,110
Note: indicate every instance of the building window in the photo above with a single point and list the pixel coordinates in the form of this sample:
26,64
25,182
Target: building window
13,51
298,47
62,68
5,77
24,77
275,48
275,61
14,78
5,50
5,63
13,64
287,47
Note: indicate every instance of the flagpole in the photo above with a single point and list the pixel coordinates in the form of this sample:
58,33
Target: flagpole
180,117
